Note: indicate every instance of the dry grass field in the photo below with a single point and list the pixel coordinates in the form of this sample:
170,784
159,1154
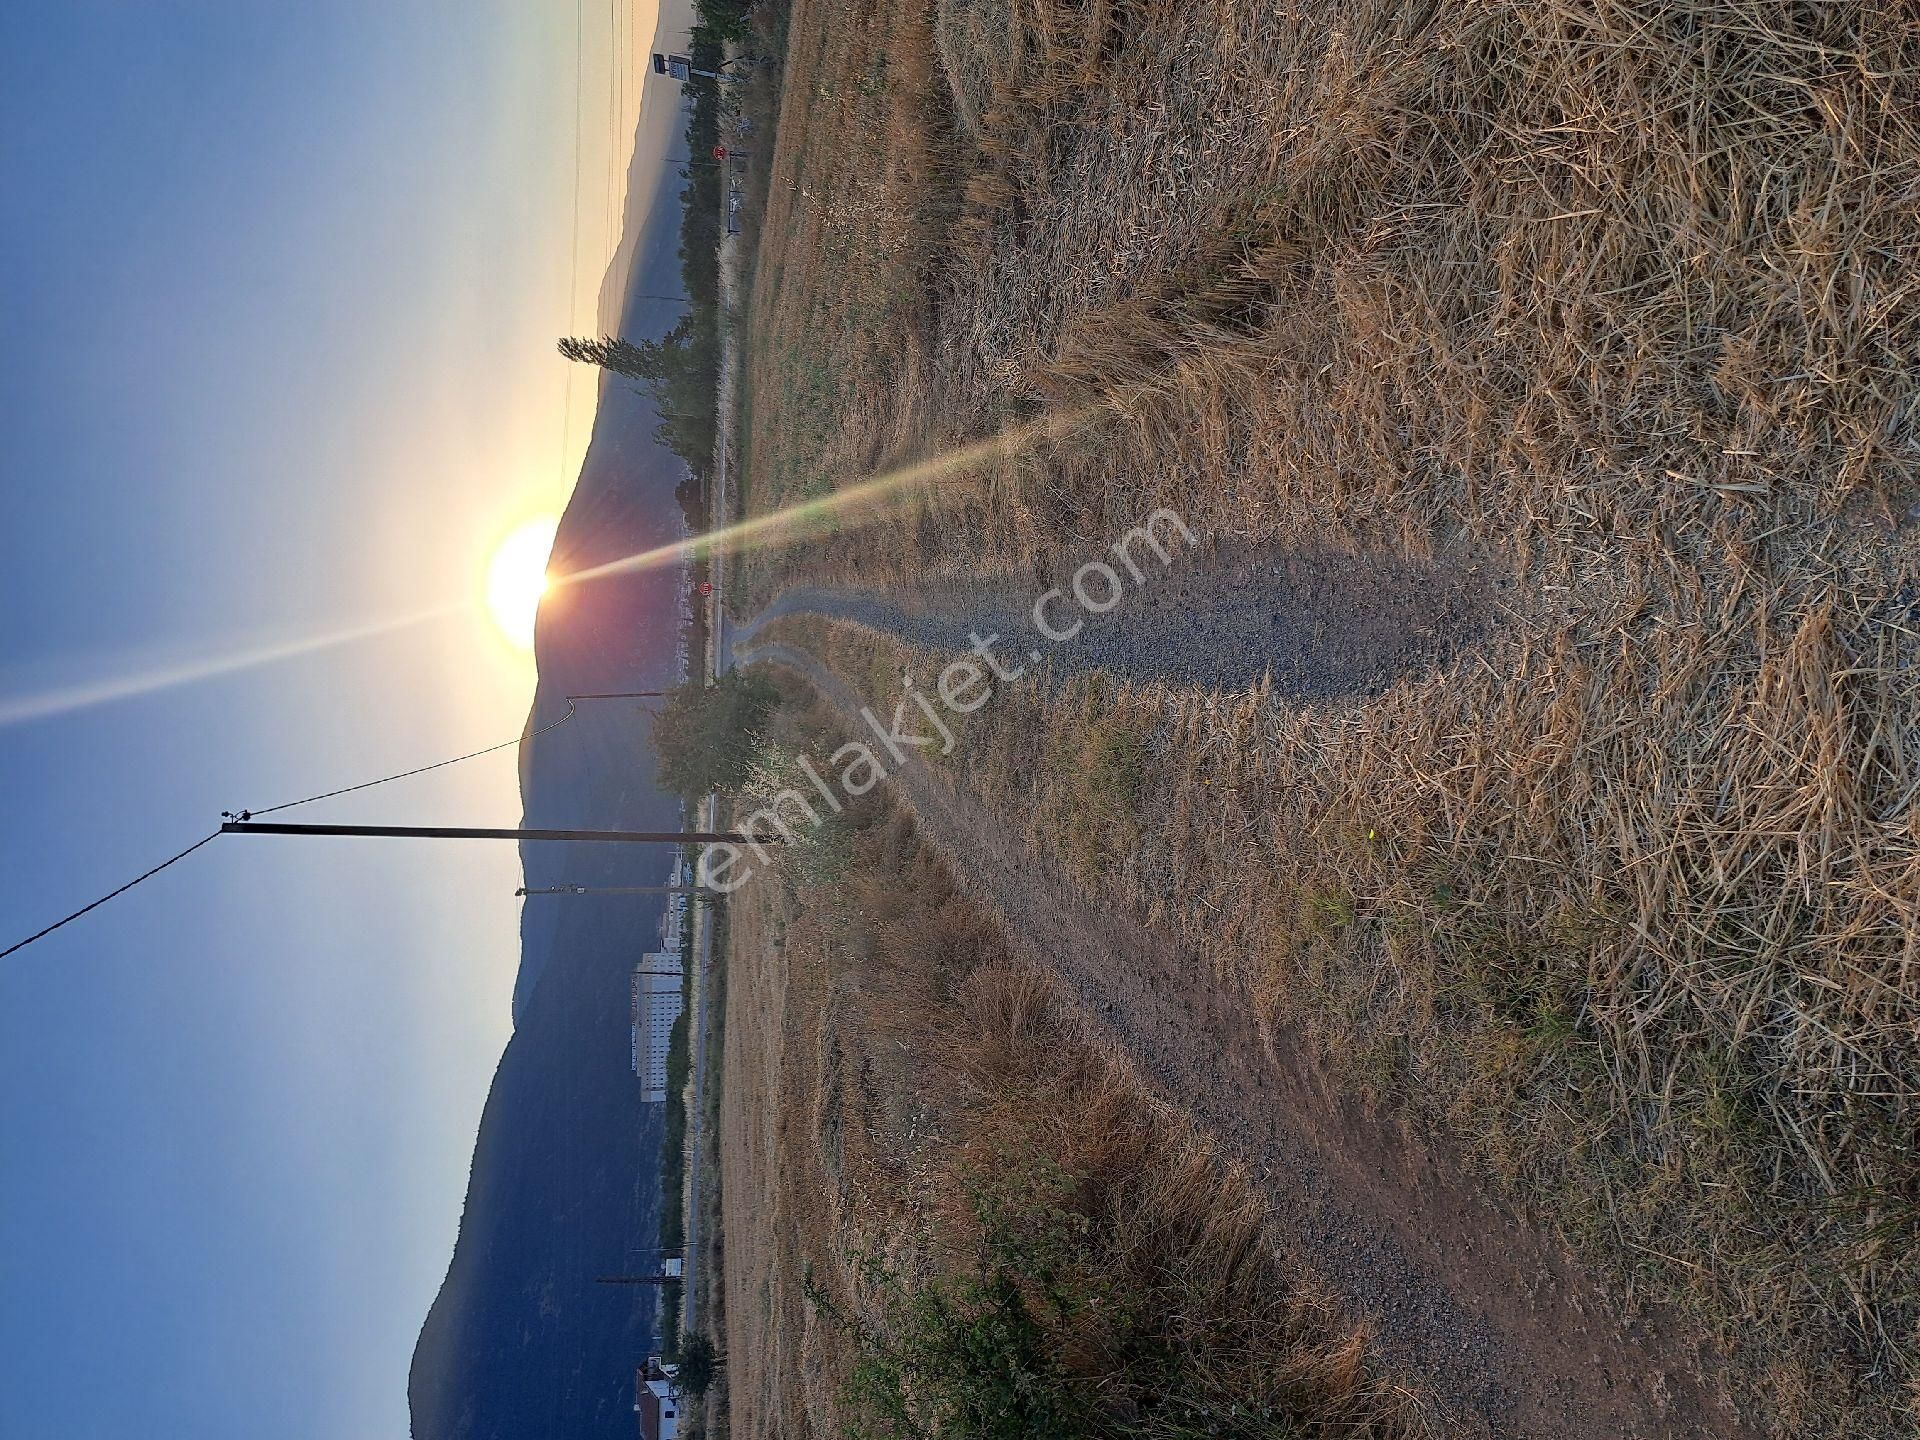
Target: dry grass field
882,1146
1615,300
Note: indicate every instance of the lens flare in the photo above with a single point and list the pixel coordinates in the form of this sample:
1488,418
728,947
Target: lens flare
860,504
517,579
15,709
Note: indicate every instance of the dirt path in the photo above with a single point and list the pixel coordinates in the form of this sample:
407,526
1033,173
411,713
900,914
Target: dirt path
1323,624
1477,1309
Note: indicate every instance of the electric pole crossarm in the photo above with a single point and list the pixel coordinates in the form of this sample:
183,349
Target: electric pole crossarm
453,832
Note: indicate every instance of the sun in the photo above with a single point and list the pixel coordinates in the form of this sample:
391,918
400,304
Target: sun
517,579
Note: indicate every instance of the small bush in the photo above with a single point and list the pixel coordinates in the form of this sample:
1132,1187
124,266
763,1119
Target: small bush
699,1362
971,1353
1135,1303
708,736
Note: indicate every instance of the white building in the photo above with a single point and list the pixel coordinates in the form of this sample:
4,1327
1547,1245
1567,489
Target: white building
657,1003
657,1400
673,924
673,920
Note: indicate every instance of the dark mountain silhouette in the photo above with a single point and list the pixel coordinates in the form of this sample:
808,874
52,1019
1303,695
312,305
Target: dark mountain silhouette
520,1342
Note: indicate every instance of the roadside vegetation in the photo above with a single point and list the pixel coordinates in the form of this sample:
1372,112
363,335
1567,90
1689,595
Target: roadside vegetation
1617,302
923,1250
681,369
702,1355
708,735
673,1159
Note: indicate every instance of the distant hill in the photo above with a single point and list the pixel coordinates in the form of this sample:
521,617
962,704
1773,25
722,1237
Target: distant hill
520,1342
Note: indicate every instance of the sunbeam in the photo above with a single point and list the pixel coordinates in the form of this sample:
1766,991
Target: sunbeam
45,704
796,521
863,503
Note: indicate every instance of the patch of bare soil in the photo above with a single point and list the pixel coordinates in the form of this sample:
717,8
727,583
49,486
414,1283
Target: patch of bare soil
1474,1304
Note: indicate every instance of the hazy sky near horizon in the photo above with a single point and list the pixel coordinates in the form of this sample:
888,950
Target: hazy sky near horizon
277,361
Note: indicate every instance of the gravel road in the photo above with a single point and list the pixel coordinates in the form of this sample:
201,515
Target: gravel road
1323,624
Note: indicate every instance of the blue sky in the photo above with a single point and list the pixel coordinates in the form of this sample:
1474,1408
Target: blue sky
276,358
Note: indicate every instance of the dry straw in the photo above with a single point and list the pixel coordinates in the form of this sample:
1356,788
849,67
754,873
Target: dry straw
1621,300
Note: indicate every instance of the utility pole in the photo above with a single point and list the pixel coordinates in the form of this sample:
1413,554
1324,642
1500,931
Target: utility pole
616,890
457,832
681,67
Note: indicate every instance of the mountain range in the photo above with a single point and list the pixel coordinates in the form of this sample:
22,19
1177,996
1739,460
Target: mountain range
521,1341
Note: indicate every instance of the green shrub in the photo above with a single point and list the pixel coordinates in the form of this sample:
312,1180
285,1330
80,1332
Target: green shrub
1131,1306
699,1362
973,1354
708,736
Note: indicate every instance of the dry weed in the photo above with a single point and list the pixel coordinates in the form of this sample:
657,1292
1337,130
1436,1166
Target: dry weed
1621,294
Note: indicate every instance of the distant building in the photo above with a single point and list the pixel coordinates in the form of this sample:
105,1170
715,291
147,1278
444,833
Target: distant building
657,1400
673,919
673,925
657,1003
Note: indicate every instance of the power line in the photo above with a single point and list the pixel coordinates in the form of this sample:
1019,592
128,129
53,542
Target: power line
110,895
501,832
247,815
327,795
421,770
579,99
566,427
573,249
613,128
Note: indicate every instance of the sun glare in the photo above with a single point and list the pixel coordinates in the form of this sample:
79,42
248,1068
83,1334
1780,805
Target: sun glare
517,579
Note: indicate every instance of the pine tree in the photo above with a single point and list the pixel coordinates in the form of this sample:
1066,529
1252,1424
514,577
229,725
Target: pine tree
648,360
698,1362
